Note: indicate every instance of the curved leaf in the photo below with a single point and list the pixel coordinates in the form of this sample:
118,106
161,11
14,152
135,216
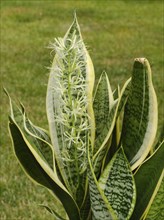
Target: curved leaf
118,186
101,209
140,116
35,167
69,108
102,105
108,128
148,177
41,140
53,212
156,211
37,136
122,96
28,150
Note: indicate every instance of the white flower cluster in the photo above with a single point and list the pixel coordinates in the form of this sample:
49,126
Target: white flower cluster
71,115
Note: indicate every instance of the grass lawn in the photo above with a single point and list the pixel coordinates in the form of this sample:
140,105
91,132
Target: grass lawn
115,32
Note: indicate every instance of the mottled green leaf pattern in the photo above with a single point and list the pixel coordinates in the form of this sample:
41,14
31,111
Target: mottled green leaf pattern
36,168
102,105
28,149
53,212
101,209
118,185
140,117
69,108
41,140
99,204
148,177
103,143
102,140
94,143
156,211
38,138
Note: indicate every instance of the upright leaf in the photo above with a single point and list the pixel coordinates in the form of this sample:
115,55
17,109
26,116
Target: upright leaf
102,105
53,212
35,167
156,211
148,178
69,108
101,209
41,140
122,96
117,184
104,139
37,136
28,146
140,116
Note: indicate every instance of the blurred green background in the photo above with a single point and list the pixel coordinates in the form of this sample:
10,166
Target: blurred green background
115,33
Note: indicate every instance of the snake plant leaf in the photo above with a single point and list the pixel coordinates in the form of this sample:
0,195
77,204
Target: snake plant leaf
148,178
105,143
53,212
104,109
69,108
117,184
38,136
140,116
121,95
156,211
101,209
104,139
85,209
102,105
16,113
34,164
38,171
41,140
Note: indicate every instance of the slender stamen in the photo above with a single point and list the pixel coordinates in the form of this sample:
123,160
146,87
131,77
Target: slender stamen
71,100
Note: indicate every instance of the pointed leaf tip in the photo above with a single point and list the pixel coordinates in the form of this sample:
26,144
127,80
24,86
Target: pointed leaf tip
118,185
5,91
148,177
75,14
141,114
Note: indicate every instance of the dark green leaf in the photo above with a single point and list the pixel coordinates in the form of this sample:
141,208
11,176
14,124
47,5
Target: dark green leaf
101,209
156,211
140,116
53,212
117,184
35,167
148,178
102,105
69,109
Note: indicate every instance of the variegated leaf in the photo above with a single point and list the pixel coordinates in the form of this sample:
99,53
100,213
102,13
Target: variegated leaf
85,209
148,178
41,140
118,186
37,169
102,105
69,108
38,136
123,96
156,211
28,149
101,209
104,139
53,212
140,116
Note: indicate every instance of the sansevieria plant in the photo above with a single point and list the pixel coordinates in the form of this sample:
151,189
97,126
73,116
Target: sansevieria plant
98,157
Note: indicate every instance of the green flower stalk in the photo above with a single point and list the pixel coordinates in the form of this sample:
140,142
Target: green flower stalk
70,115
